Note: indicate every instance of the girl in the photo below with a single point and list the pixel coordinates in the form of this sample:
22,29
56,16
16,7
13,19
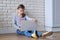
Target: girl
22,16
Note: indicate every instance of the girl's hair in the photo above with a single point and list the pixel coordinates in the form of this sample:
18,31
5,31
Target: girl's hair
23,7
23,15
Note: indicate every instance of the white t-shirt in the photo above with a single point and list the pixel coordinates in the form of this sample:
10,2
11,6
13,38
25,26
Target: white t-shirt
17,21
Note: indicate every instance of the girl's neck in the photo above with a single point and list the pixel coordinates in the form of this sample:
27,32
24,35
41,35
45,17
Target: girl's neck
20,15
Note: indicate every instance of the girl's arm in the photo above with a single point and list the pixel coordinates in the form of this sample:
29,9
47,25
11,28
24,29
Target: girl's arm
32,19
16,26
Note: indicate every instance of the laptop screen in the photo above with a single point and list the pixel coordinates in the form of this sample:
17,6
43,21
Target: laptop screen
28,25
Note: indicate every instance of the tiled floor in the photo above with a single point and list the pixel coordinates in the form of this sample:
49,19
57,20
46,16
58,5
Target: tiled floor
55,36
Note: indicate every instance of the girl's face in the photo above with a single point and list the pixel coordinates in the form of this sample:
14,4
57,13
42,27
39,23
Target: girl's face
20,11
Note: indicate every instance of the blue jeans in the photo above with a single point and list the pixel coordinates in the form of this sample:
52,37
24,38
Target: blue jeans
28,33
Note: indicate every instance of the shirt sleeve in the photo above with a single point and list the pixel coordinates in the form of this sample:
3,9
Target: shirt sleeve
28,18
14,22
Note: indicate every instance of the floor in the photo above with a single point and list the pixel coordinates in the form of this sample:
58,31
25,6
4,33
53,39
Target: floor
55,36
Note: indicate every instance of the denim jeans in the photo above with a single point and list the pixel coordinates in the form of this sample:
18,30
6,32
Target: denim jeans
28,33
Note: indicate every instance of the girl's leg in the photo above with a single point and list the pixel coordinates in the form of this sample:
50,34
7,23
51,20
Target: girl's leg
47,34
34,34
37,34
19,32
40,34
28,33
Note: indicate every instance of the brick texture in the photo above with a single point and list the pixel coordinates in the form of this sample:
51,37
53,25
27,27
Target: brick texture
34,8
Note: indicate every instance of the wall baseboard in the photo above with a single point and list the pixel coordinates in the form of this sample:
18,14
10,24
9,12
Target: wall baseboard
54,29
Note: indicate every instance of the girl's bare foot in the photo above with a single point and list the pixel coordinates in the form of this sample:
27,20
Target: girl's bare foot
47,34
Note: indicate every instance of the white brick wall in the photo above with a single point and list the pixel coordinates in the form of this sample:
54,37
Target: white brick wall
34,8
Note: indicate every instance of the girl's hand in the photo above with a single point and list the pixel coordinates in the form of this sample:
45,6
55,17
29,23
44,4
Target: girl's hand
34,20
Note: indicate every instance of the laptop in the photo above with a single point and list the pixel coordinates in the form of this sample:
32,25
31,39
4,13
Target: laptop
28,25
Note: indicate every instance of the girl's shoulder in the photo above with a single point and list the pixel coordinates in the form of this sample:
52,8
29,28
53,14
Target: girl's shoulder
15,16
26,16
